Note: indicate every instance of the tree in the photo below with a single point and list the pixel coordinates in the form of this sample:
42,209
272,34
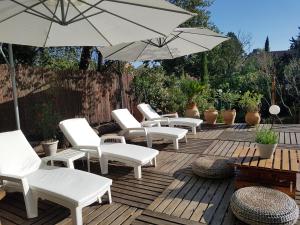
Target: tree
85,58
267,45
204,69
25,55
295,44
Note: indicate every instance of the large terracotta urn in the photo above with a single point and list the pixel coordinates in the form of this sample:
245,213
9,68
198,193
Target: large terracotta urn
192,111
252,118
229,116
210,116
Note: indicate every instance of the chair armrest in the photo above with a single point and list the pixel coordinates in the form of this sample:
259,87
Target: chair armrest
124,131
112,137
151,123
175,115
12,178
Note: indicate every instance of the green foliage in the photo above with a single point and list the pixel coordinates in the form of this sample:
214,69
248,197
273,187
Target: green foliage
229,99
250,101
295,44
59,58
24,55
47,120
191,88
204,70
266,136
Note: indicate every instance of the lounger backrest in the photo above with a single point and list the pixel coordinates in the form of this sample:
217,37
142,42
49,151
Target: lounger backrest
148,112
79,132
124,118
17,157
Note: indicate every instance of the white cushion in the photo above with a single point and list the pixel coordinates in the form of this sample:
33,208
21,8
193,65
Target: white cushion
135,153
125,119
74,185
79,132
148,112
17,157
165,132
185,121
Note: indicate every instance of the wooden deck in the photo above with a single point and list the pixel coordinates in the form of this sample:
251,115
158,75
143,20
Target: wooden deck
168,194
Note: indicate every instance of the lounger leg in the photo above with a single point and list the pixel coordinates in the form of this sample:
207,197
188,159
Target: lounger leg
88,162
76,214
99,199
154,163
176,145
70,164
138,172
109,196
194,130
185,138
149,142
103,165
31,201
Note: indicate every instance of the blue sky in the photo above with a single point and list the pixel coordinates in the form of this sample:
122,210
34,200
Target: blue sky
278,19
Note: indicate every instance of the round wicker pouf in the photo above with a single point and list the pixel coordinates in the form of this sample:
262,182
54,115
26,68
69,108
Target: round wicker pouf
264,206
215,167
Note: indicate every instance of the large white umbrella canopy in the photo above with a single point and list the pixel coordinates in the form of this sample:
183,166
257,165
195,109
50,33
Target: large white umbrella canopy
86,22
46,23
181,42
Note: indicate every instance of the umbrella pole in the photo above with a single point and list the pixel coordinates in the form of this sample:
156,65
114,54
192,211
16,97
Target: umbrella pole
13,81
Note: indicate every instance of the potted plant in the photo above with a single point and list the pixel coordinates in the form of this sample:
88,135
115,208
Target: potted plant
47,121
250,102
191,88
229,99
211,115
266,141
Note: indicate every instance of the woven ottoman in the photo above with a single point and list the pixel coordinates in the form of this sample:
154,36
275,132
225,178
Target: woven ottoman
264,206
215,167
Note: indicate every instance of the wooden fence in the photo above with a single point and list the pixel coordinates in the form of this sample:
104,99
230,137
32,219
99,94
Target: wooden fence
72,93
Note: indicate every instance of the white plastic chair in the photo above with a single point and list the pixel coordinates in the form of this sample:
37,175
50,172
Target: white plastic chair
82,137
22,170
149,129
168,119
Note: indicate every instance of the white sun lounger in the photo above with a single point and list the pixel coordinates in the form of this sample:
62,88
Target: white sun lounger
132,128
22,170
82,137
150,115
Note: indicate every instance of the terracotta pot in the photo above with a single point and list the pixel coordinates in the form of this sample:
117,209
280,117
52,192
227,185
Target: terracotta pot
266,150
229,116
192,111
50,147
252,118
211,116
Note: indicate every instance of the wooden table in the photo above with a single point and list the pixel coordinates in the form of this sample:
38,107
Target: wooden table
278,172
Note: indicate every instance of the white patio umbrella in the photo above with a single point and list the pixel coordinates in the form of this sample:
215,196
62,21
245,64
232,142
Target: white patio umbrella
182,41
46,23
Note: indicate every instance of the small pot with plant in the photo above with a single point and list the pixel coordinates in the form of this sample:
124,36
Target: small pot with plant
47,121
250,102
266,141
191,88
211,115
229,99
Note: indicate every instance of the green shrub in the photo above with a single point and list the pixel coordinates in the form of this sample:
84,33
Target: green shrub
266,136
250,101
229,99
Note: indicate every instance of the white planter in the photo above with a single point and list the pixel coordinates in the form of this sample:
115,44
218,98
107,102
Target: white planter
50,147
266,150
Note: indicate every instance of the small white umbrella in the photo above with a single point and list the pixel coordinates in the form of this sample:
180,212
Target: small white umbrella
182,41
83,23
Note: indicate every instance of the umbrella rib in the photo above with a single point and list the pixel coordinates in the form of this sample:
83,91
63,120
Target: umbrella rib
170,51
81,13
152,7
53,13
34,12
92,25
194,43
208,35
91,15
50,26
120,49
130,21
138,56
